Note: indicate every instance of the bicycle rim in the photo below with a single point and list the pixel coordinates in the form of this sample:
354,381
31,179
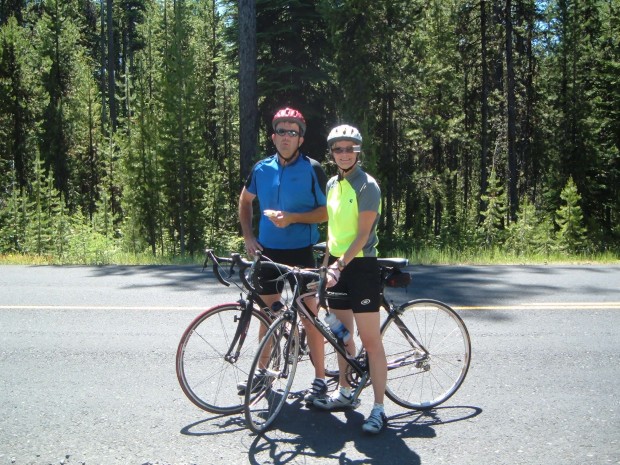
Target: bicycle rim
206,377
420,380
271,375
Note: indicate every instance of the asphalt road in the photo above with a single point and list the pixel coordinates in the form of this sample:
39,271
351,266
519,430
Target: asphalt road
87,374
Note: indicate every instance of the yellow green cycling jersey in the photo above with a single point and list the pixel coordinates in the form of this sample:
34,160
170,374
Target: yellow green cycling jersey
346,197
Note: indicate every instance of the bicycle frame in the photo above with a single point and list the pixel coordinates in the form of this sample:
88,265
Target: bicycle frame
327,334
436,370
251,297
360,369
413,341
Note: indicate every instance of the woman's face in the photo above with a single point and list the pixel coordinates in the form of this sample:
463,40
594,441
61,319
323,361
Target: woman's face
344,154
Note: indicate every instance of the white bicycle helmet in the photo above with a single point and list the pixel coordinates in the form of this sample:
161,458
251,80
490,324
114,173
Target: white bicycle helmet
344,132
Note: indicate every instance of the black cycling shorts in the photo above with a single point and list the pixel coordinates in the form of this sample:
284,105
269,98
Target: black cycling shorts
361,280
302,258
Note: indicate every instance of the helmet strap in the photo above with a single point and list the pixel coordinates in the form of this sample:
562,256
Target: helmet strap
345,171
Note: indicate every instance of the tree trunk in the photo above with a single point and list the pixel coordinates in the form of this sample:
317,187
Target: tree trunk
511,102
111,71
484,109
248,101
102,82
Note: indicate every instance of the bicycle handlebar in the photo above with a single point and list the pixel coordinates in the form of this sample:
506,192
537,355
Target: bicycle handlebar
235,259
302,276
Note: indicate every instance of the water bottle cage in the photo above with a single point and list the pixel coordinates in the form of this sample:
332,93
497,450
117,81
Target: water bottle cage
341,343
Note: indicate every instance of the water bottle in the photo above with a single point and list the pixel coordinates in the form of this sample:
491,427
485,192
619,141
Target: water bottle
339,330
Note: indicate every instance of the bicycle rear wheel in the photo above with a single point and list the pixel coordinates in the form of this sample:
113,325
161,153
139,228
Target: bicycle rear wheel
271,375
206,377
427,369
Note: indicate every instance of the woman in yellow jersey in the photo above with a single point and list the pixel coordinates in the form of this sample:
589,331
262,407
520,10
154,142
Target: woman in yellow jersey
353,207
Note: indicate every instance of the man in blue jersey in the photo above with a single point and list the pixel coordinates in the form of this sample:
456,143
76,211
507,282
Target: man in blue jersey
290,188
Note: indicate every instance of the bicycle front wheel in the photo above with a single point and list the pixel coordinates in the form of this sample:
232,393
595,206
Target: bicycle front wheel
271,375
207,377
428,351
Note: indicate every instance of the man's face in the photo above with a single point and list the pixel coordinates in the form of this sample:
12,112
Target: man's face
287,138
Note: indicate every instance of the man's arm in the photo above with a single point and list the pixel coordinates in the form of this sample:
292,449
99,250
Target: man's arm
318,215
245,218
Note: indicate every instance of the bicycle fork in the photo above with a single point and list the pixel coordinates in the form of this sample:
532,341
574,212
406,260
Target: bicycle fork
240,333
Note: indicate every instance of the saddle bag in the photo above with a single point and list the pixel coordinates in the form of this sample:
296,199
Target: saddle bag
398,278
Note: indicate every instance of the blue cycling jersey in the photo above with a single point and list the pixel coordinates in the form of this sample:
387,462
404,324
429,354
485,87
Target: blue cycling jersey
297,188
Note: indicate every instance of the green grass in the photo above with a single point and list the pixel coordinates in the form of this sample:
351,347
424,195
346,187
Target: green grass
416,257
496,257
119,258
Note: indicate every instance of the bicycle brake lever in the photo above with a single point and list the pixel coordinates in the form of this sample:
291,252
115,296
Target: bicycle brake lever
206,262
235,258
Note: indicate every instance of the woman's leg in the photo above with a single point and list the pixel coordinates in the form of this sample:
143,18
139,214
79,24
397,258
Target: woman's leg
316,341
368,325
346,318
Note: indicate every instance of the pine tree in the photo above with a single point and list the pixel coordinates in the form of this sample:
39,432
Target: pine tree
41,207
544,235
521,235
12,223
21,101
569,218
492,226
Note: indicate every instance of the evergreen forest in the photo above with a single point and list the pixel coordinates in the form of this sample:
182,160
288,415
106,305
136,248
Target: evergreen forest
129,126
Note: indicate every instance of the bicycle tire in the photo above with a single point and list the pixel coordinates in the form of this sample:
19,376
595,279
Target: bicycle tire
206,378
266,396
415,380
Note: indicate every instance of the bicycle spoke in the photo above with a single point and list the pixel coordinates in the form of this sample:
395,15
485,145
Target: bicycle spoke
206,377
425,376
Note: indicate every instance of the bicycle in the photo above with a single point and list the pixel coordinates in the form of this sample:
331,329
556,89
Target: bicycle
427,346
217,348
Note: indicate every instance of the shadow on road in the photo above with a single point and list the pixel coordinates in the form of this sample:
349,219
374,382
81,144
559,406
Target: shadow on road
301,435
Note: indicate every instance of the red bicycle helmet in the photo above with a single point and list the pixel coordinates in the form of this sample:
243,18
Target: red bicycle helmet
290,115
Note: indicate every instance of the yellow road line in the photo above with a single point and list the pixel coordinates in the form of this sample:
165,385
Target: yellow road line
548,306
97,307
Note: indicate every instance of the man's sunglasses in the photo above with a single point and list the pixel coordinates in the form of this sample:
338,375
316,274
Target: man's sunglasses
287,132
350,149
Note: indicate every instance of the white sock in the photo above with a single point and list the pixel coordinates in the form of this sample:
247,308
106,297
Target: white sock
378,406
345,391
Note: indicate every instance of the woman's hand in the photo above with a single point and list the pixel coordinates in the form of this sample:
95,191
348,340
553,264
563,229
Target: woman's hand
333,275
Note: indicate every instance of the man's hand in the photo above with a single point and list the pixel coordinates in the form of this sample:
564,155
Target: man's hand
279,218
252,245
